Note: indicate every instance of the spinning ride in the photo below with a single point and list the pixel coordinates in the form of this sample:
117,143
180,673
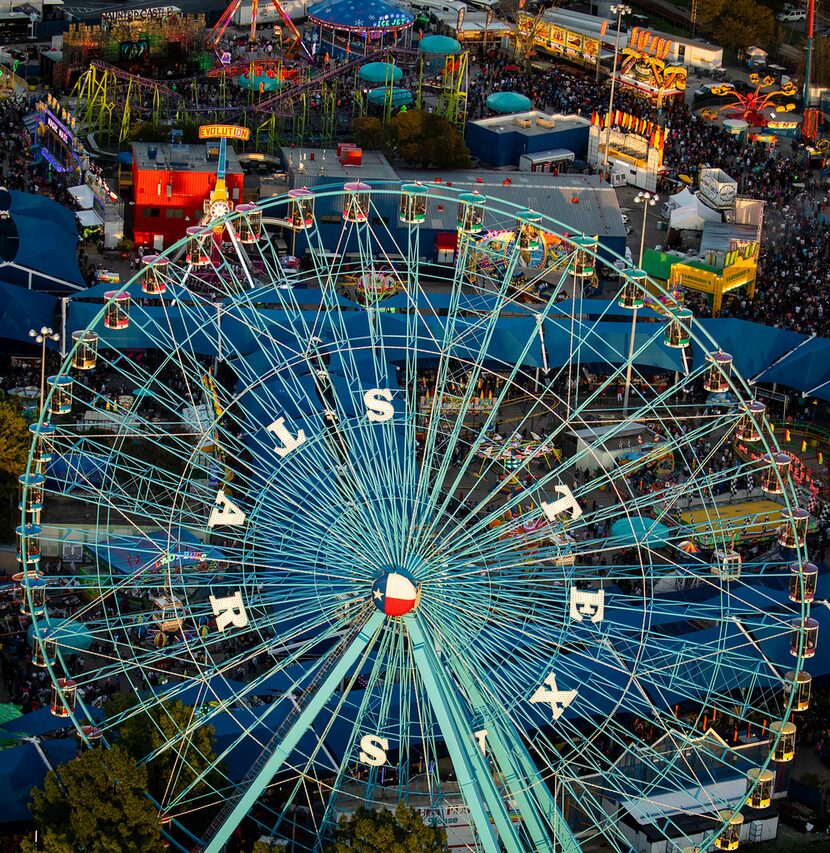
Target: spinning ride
294,534
750,106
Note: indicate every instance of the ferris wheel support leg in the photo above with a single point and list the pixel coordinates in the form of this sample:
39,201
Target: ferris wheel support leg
545,823
474,777
298,728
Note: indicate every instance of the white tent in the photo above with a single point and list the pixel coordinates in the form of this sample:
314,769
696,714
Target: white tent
88,218
83,195
693,214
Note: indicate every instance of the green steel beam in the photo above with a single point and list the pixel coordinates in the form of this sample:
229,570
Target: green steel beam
297,729
474,777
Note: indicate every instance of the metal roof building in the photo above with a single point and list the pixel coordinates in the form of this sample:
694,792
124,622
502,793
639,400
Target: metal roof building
580,203
501,140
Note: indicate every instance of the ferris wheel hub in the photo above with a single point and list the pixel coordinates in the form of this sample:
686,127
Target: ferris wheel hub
396,593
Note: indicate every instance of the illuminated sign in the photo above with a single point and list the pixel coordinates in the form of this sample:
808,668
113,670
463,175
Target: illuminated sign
139,14
782,125
60,130
52,161
228,131
166,559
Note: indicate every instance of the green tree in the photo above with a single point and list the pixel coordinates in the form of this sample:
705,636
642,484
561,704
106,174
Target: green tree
427,139
97,802
14,451
382,831
820,68
14,439
173,769
737,24
369,133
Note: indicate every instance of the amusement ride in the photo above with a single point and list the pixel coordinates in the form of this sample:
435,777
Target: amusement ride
413,549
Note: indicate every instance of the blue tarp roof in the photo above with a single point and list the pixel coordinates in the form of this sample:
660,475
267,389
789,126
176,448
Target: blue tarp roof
22,768
48,237
805,369
124,554
41,722
804,365
22,309
752,345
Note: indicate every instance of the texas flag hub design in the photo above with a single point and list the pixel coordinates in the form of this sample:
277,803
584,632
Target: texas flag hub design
394,594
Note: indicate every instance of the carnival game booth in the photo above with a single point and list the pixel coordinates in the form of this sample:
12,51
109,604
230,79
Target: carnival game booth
353,28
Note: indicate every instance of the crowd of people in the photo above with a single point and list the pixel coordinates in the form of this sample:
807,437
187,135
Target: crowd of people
793,286
793,292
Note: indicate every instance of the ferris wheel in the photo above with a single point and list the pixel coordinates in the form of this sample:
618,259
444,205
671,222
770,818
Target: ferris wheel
463,541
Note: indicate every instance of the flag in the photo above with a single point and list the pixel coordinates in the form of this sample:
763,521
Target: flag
394,594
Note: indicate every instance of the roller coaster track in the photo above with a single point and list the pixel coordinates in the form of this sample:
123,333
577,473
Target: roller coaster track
141,82
287,95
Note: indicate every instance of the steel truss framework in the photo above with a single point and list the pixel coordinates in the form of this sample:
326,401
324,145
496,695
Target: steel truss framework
307,109
292,471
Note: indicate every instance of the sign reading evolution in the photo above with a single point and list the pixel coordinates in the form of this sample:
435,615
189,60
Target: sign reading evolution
227,131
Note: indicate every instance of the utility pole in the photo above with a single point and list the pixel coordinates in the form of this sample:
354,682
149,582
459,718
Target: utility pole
808,61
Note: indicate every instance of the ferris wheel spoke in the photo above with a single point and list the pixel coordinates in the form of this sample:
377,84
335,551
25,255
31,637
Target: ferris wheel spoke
514,501
508,383
546,655
222,706
476,672
294,727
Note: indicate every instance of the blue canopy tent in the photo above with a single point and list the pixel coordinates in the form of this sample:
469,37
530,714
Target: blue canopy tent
380,72
42,722
47,237
608,342
70,635
125,554
752,345
22,309
394,95
805,369
640,531
23,768
508,102
67,471
437,45
698,663
152,327
774,641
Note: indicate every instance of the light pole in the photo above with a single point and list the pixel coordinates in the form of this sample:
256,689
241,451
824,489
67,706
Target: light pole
647,200
619,10
45,334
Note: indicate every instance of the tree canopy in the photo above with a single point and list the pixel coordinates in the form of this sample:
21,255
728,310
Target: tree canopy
14,439
419,138
368,132
427,139
383,831
171,770
97,803
737,24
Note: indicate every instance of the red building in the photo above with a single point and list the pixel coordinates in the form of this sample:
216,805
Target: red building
170,185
